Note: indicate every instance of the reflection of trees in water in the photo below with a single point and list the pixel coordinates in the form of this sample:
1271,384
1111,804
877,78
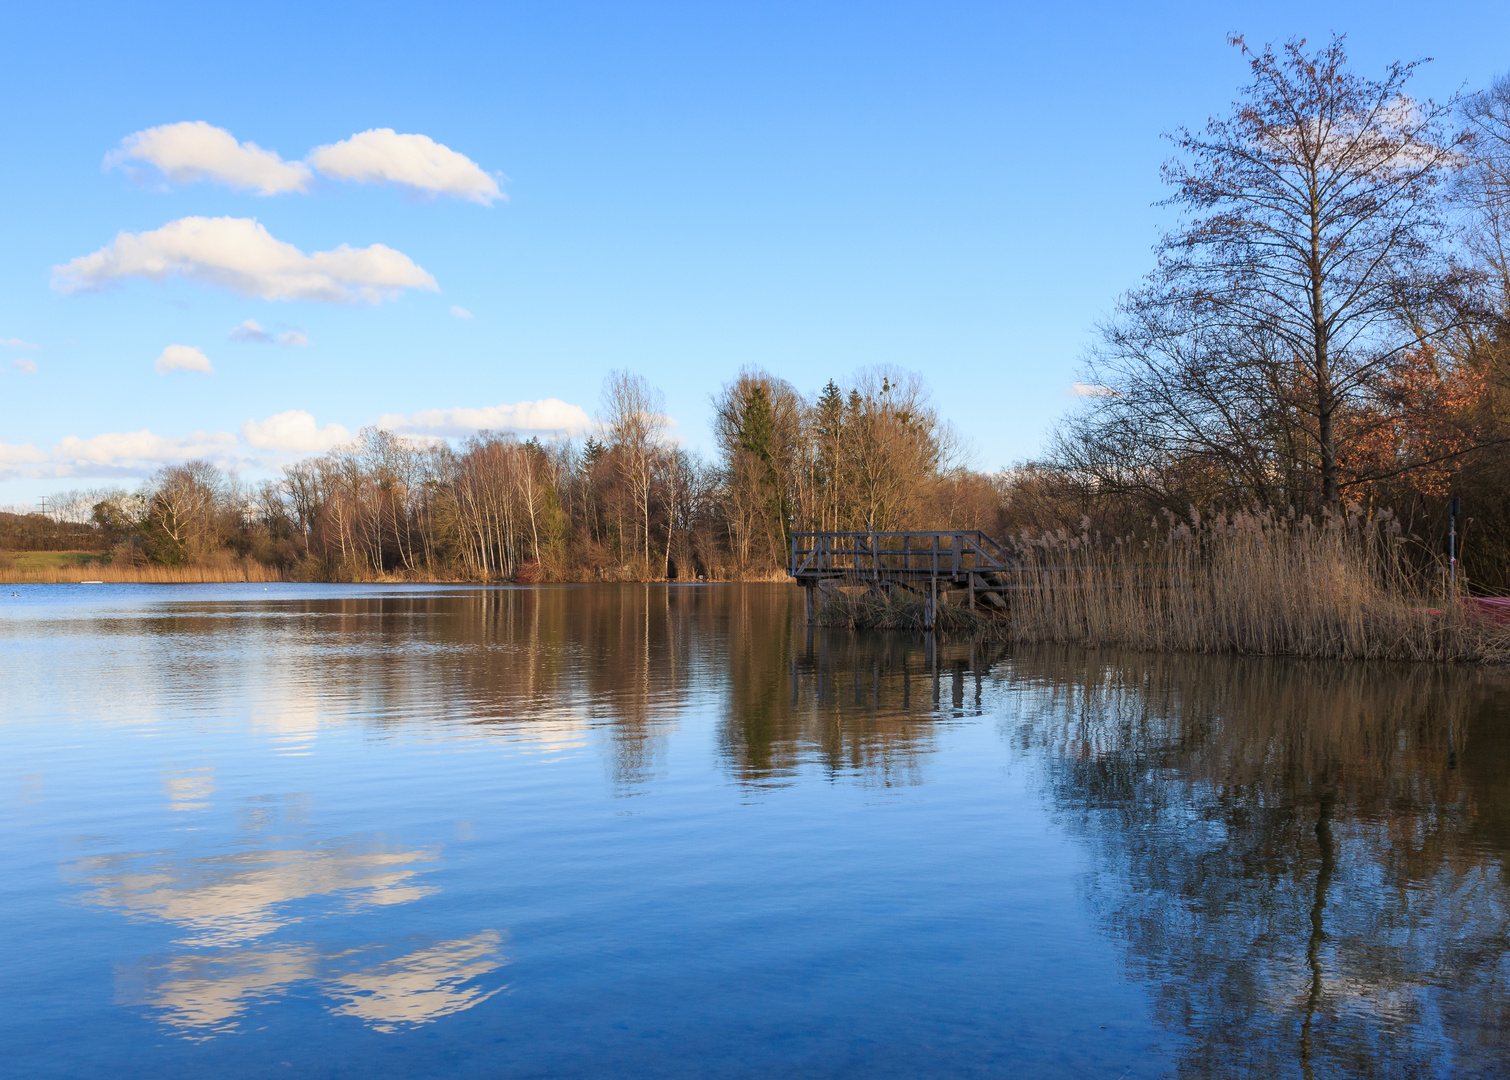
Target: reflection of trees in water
1306,861
545,667
857,703
537,666
626,659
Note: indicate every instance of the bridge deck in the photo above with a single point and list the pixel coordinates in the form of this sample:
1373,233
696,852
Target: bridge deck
922,561
895,557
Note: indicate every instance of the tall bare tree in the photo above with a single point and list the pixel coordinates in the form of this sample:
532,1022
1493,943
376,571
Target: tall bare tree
1486,184
1301,273
634,417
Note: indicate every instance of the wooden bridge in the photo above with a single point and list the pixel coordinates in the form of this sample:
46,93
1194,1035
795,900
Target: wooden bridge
923,562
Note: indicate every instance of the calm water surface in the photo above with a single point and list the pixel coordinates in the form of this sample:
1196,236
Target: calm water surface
317,831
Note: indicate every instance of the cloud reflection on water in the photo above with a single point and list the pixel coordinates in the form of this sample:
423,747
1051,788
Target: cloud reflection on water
422,985
189,789
227,907
228,899
205,994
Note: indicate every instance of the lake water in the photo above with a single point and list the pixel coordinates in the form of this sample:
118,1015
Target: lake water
594,831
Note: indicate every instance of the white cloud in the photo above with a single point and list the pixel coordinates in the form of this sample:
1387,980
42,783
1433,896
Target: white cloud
547,416
142,448
251,332
22,454
26,365
294,430
460,312
1081,389
415,161
194,150
17,343
182,358
239,254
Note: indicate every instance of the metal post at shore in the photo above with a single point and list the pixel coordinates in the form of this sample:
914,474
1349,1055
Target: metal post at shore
1452,547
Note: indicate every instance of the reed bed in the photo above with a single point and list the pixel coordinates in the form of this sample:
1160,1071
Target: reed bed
1251,583
1255,583
240,570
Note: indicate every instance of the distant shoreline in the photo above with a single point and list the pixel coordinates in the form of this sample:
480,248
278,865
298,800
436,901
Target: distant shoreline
76,567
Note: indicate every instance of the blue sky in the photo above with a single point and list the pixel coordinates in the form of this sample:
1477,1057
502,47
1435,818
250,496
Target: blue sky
957,189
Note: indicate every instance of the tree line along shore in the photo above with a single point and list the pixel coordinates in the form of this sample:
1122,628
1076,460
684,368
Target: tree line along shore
1318,362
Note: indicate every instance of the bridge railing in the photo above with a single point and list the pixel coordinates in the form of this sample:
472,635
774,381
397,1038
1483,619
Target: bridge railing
896,555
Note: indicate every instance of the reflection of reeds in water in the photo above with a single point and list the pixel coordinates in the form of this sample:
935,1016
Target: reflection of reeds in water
1259,722
1246,583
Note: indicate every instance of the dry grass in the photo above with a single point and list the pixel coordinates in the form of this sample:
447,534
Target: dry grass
1248,583
68,567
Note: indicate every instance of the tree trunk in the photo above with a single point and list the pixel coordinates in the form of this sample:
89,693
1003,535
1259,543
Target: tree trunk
1326,398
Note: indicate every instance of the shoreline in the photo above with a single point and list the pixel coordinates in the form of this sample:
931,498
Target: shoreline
255,573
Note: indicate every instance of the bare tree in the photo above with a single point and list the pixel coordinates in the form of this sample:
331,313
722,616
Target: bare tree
1299,277
635,421
894,447
185,503
1486,185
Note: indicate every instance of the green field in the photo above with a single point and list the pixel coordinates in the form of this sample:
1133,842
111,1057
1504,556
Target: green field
37,561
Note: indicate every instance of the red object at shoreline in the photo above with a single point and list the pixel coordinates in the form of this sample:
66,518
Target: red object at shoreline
1494,608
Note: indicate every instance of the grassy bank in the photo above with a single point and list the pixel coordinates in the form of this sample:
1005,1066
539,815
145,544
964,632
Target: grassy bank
1249,583
64,567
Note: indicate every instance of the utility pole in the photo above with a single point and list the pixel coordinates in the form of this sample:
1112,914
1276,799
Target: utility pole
1452,546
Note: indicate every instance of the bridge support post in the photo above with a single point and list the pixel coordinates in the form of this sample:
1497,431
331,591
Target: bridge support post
931,655
807,593
930,603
